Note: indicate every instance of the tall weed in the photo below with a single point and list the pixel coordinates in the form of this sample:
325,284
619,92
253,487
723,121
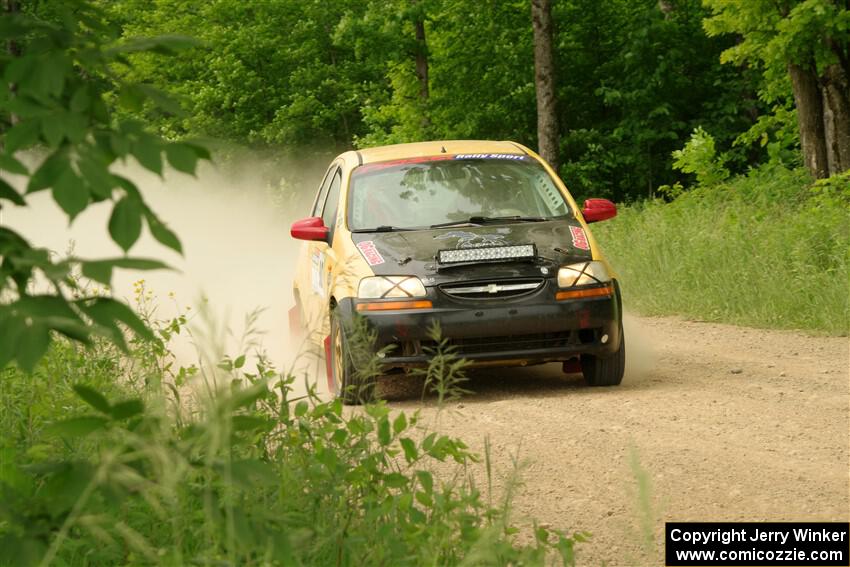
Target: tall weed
766,249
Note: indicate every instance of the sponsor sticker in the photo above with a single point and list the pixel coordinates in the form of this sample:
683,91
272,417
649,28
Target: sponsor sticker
512,157
579,238
472,239
370,253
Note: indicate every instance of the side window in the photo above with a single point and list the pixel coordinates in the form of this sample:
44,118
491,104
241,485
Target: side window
332,200
323,191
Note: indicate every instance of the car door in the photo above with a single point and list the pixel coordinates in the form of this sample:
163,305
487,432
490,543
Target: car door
319,254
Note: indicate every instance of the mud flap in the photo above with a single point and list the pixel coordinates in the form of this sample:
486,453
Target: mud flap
328,369
572,366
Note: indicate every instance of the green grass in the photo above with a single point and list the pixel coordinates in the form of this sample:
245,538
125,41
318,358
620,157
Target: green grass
767,249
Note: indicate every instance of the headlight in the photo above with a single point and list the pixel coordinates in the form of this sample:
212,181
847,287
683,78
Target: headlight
584,273
379,287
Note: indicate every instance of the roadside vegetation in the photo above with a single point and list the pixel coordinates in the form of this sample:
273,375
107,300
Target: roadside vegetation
767,249
106,459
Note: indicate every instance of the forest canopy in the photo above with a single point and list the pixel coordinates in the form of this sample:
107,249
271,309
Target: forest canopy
633,79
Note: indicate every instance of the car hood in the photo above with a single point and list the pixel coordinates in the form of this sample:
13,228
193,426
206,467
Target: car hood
414,252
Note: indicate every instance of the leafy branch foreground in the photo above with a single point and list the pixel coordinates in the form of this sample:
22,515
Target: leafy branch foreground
95,473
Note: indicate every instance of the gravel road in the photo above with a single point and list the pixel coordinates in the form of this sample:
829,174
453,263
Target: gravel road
718,423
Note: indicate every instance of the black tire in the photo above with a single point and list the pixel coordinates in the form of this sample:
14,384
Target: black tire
605,370
348,384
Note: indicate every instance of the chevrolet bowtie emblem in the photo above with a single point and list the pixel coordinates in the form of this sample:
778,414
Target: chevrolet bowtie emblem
492,288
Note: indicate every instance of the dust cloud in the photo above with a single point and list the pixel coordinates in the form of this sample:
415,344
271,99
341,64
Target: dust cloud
238,255
640,354
238,259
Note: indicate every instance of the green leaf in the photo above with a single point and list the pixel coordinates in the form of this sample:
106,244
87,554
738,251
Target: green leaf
22,135
127,409
119,143
43,306
11,329
125,224
247,396
384,436
18,68
301,408
399,423
239,362
81,101
48,75
200,151
182,157
70,193
428,442
417,517
251,423
96,173
162,100
131,98
426,480
105,311
250,472
26,107
162,233
8,192
79,426
53,129
424,498
395,480
409,447
49,172
32,344
101,270
93,398
12,165
98,271
64,487
76,127
149,153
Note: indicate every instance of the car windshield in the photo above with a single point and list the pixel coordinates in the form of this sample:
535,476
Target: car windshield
419,193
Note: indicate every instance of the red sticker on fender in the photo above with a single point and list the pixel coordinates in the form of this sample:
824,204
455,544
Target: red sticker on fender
579,238
370,253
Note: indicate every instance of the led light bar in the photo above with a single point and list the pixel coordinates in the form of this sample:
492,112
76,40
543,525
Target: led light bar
486,254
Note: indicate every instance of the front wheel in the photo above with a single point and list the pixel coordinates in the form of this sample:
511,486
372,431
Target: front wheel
348,383
605,370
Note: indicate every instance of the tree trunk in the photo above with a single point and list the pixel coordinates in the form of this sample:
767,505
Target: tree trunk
810,120
13,49
835,87
544,81
421,59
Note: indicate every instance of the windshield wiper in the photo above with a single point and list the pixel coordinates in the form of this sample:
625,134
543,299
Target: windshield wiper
480,220
385,228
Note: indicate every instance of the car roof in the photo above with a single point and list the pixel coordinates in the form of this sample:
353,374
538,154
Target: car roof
422,149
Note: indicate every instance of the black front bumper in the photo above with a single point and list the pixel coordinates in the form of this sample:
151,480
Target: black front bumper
529,330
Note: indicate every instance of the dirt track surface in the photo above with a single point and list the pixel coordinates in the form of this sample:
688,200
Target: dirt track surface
725,423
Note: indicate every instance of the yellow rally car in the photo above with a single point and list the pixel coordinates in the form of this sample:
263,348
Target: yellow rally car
481,237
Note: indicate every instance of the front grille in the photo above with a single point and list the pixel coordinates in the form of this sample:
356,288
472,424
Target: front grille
492,289
476,345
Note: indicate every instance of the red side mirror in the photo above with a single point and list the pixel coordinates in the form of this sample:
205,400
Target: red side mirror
598,209
311,228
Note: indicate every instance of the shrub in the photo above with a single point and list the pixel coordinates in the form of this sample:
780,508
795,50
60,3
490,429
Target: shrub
699,157
100,474
764,249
